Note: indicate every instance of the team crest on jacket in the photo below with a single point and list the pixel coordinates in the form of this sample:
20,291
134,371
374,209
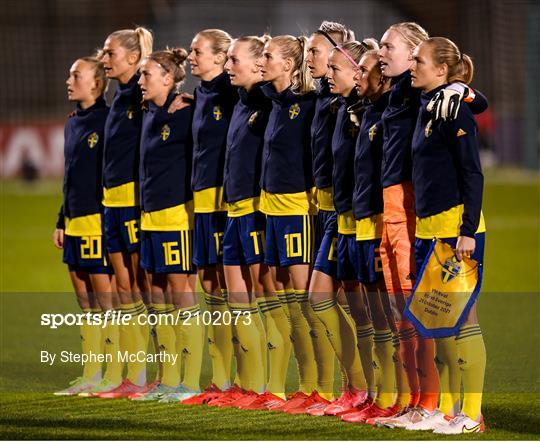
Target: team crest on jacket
165,132
93,139
450,269
334,106
294,111
372,132
218,113
353,130
253,119
427,130
130,113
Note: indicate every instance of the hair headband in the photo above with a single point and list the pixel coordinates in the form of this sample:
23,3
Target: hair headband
347,55
330,39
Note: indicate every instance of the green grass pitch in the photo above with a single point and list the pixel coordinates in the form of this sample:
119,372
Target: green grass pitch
33,281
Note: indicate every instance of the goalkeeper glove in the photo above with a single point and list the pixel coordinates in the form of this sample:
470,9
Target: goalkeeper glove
445,104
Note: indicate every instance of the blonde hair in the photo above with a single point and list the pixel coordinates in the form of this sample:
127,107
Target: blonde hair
172,61
445,51
135,40
339,32
296,49
256,44
412,33
221,40
99,72
356,49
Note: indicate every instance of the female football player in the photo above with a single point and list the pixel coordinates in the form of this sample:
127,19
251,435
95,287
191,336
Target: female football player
121,55
287,199
448,185
78,230
214,102
167,224
323,277
248,279
320,44
367,210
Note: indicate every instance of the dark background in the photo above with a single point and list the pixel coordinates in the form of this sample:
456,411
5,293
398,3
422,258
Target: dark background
40,39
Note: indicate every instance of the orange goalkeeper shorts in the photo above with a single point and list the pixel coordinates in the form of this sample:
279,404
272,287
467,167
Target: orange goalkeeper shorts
397,244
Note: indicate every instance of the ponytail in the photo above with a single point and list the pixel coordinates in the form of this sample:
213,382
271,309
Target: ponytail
460,65
138,40
296,48
467,71
145,41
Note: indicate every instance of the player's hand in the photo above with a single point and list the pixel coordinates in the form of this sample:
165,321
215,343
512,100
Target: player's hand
180,102
58,238
445,104
465,247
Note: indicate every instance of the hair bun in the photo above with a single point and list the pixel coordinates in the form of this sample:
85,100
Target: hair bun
180,55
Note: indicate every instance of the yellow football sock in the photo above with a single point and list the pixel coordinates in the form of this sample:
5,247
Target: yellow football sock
257,320
111,335
282,296
386,377
220,345
342,336
302,345
278,342
190,333
135,342
239,366
403,397
472,364
142,324
91,343
155,344
449,375
248,354
364,335
324,353
167,343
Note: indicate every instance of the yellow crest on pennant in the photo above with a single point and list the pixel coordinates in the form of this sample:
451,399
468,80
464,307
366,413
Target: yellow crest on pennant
427,130
450,269
372,132
444,288
93,139
165,132
218,113
294,111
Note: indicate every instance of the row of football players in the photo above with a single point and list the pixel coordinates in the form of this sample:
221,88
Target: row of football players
301,172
